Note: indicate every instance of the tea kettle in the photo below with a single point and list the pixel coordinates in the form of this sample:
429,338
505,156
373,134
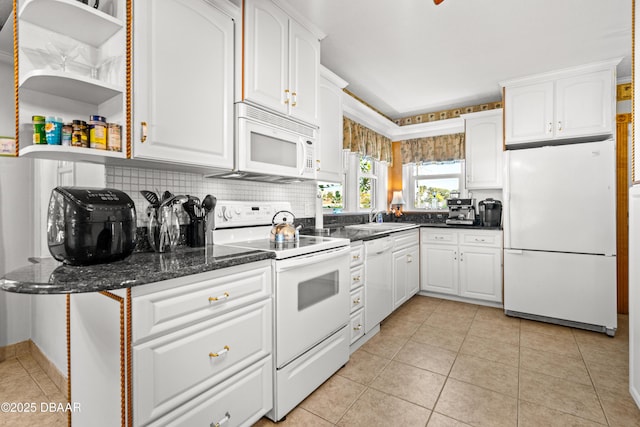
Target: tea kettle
284,230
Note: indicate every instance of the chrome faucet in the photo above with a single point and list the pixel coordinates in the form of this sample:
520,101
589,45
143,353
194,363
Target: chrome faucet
372,215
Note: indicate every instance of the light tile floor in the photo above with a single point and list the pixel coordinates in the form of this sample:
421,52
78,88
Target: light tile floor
437,363
25,386
442,363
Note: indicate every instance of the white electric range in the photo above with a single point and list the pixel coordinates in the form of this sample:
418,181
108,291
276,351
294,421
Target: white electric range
311,296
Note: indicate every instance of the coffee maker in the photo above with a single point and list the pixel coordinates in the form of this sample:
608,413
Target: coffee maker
461,211
490,212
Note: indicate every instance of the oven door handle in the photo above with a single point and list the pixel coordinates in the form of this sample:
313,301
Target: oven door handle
310,259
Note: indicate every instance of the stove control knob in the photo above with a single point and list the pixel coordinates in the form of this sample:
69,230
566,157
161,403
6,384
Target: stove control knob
227,213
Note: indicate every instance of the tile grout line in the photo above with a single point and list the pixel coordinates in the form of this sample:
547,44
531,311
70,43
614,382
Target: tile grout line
595,389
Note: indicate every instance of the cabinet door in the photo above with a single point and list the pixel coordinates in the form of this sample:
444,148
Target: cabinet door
480,273
483,158
413,270
330,121
399,277
304,73
584,105
266,38
183,90
529,113
440,269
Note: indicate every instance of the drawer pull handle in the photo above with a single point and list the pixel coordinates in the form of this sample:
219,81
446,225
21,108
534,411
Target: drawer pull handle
356,278
357,328
220,352
355,257
356,301
143,131
409,258
223,421
479,240
221,297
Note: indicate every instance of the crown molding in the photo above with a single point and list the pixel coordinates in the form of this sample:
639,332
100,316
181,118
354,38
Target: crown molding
565,72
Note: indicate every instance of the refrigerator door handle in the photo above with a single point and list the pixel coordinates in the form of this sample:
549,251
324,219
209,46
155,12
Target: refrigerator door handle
513,251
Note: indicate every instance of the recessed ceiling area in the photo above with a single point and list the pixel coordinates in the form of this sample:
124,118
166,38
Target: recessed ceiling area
407,57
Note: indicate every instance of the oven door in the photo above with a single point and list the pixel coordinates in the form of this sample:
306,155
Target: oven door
265,149
312,301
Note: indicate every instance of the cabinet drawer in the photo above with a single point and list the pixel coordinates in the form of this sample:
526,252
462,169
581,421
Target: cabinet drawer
405,239
482,238
176,367
438,236
178,303
357,276
241,400
357,299
356,326
357,255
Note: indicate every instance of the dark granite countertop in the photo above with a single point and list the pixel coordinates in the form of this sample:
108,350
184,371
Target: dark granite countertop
52,277
354,233
473,227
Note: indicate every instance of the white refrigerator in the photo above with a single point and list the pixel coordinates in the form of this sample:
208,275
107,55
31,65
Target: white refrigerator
559,231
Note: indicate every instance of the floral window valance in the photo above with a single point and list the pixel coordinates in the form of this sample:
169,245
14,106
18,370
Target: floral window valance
433,149
360,139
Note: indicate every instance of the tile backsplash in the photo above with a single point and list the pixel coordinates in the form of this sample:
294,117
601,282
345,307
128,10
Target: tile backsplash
132,180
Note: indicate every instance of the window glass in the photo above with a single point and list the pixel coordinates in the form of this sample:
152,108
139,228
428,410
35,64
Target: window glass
332,195
433,183
366,183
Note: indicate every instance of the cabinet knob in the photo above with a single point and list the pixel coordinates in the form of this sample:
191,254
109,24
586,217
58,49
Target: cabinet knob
559,126
409,258
143,131
357,328
356,301
223,421
220,352
219,298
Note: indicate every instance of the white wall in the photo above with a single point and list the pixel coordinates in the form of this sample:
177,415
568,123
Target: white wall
16,224
634,243
16,197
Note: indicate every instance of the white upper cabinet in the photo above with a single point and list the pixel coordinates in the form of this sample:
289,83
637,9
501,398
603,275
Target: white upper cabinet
483,149
72,64
329,162
183,83
281,64
577,103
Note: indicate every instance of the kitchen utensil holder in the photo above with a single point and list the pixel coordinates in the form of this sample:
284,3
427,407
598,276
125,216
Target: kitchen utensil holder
195,233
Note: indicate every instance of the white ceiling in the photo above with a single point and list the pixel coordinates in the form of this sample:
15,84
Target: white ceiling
407,57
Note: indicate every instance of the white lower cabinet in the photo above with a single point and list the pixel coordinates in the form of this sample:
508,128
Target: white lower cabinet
237,401
406,266
356,324
201,351
175,368
464,263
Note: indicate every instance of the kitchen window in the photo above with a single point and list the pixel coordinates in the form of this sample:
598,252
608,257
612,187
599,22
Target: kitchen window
430,184
365,186
332,195
367,181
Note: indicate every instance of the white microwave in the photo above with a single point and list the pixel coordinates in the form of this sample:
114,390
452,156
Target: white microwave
271,147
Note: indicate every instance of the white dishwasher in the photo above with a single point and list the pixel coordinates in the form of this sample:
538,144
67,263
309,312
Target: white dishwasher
378,281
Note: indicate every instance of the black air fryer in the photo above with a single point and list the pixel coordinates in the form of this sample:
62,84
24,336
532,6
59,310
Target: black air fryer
90,225
490,212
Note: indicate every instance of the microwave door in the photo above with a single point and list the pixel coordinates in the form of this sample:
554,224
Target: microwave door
266,150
